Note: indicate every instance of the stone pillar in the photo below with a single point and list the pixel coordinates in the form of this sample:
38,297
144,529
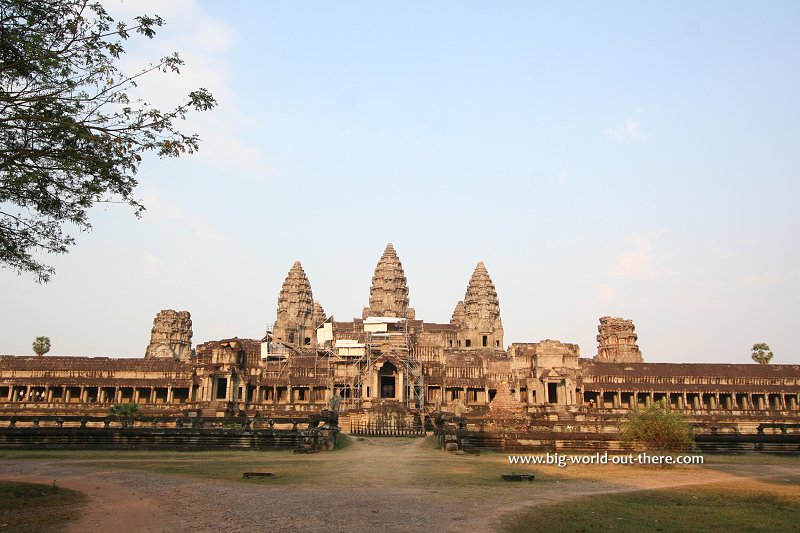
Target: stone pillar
117,395
170,395
715,401
681,401
399,389
67,394
135,394
48,394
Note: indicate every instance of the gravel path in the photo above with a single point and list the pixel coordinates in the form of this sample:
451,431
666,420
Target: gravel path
376,490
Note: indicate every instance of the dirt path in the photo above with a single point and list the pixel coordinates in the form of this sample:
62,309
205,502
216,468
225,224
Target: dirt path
385,484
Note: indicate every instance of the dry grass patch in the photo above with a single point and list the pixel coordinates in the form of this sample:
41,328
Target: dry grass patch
33,507
771,504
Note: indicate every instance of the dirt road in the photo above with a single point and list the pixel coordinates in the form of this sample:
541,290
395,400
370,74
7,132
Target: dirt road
385,484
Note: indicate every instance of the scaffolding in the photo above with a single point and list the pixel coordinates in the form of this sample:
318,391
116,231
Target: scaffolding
380,336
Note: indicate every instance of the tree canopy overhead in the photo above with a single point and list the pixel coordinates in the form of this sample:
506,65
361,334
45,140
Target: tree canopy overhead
71,132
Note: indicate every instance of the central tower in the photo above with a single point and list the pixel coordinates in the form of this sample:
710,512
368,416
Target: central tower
388,295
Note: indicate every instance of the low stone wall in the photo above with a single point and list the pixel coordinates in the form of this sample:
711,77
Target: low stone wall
70,438
536,442
182,434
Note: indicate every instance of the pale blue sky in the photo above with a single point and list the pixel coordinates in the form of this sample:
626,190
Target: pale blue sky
617,159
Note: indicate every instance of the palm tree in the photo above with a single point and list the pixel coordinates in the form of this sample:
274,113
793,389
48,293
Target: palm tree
761,353
123,410
41,346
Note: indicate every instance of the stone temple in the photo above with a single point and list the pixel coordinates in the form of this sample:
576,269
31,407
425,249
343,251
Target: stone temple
389,361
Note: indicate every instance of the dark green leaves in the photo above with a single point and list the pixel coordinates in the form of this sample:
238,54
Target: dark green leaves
71,135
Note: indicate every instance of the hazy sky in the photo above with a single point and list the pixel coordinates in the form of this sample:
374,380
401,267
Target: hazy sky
630,159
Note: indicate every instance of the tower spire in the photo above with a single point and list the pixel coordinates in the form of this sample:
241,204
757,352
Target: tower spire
479,318
295,322
388,295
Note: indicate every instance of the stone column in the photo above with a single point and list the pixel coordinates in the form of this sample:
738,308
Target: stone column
135,394
170,395
399,388
67,394
48,394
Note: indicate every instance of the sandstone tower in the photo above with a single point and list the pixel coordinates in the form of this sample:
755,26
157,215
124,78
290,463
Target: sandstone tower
171,335
478,316
458,314
616,341
295,323
318,314
388,295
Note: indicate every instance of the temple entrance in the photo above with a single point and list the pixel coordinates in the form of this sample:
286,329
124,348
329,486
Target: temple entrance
552,392
387,377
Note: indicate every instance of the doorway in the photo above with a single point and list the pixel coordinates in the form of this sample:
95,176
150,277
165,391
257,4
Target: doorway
552,392
387,376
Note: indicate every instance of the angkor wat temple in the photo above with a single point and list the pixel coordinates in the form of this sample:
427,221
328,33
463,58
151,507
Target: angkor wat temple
389,361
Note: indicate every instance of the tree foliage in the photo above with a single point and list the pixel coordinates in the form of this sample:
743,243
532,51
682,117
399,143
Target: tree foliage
657,429
41,345
761,353
124,409
72,133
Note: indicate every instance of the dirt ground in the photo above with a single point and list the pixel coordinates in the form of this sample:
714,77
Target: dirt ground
376,484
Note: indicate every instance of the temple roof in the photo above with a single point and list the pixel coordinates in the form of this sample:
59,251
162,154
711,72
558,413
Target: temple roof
598,369
57,364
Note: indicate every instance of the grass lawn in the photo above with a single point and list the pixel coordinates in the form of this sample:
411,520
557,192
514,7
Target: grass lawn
758,505
29,507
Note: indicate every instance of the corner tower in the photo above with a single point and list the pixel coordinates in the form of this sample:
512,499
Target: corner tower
617,341
388,295
478,317
295,323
